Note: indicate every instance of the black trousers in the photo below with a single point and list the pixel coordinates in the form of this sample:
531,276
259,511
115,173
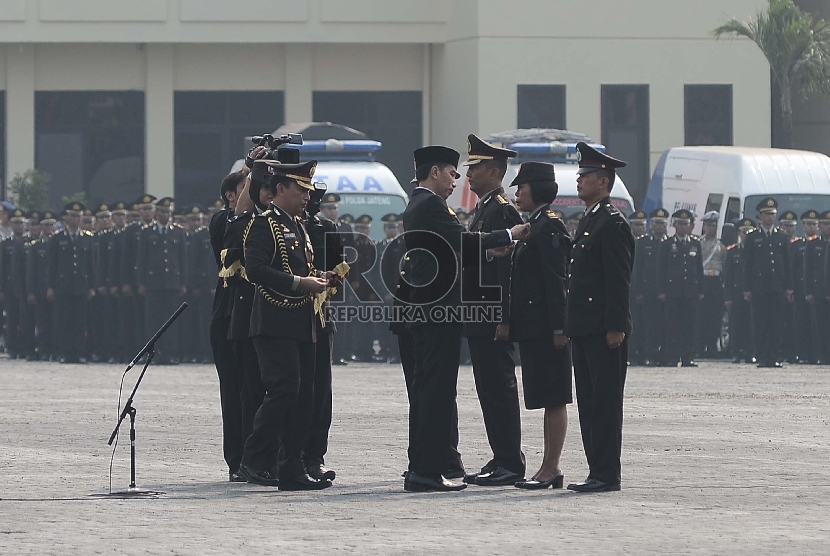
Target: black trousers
287,367
637,343
127,337
12,326
406,345
230,392
599,373
494,371
205,307
433,396
654,329
28,321
767,327
710,316
70,325
317,443
805,349
140,336
740,329
160,304
100,337
45,323
820,336
247,363
681,319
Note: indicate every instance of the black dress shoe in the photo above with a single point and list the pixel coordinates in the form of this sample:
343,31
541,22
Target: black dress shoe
236,477
432,483
750,360
340,361
470,478
303,482
534,484
264,478
593,485
454,474
319,471
498,477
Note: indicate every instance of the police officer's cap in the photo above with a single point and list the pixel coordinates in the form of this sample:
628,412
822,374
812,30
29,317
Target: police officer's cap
87,214
746,223
103,209
33,216
462,214
271,172
810,216
74,209
481,151
19,215
120,208
637,216
48,217
437,154
217,205
768,204
347,219
711,216
532,172
659,215
824,217
364,220
194,210
330,199
165,203
591,160
391,218
682,215
788,217
146,199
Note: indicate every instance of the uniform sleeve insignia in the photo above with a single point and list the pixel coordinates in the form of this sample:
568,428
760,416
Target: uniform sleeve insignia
451,211
502,200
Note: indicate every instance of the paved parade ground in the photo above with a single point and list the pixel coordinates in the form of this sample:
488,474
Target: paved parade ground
720,459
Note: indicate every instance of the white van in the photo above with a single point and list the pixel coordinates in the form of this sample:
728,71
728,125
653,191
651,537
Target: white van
349,169
544,145
733,180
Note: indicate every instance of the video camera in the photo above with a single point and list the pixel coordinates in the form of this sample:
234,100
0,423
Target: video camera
316,198
284,155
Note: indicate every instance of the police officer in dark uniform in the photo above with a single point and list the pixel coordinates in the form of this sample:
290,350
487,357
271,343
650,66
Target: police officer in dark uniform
807,350
491,350
538,289
37,265
644,288
330,208
278,259
201,280
638,221
814,287
433,239
679,280
768,282
118,351
740,317
70,284
328,253
136,333
12,285
365,333
788,221
231,376
28,316
391,251
598,319
103,336
162,278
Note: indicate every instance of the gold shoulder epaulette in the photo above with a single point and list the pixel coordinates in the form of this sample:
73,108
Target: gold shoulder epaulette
502,200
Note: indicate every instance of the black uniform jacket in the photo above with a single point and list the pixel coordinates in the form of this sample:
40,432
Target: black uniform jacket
71,263
644,279
495,212
435,264
277,249
233,269
37,264
733,273
680,268
162,258
798,250
222,297
600,274
766,262
130,237
813,268
12,266
539,278
327,246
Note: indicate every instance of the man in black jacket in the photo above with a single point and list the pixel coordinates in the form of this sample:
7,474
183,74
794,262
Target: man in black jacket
651,327
491,351
278,259
598,319
37,264
434,237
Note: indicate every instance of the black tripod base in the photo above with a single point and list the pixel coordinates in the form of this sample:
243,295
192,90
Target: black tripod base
131,493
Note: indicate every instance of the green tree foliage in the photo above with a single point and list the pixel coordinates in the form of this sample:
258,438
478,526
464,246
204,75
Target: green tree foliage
797,46
30,190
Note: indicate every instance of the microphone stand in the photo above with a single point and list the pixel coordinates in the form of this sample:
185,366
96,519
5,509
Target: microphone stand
129,409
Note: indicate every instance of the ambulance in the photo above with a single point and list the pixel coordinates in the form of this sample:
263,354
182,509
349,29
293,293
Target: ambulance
544,145
348,168
733,180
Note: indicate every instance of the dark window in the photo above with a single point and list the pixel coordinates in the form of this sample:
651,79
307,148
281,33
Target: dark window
541,106
91,142
3,143
714,202
708,114
392,117
733,210
210,130
625,133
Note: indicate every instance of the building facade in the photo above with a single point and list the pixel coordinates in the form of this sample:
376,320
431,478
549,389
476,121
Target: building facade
113,98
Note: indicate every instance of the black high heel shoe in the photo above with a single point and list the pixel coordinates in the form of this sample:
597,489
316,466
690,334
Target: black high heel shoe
532,484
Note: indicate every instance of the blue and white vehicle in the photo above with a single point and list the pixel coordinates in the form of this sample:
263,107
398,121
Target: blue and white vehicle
349,168
545,145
